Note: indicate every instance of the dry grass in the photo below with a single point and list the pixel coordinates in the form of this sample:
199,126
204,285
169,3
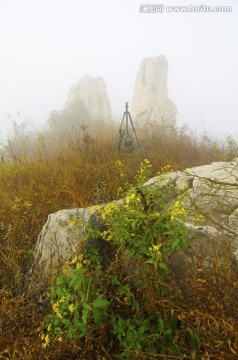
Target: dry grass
50,173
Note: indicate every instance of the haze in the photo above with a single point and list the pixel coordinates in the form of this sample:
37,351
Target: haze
47,45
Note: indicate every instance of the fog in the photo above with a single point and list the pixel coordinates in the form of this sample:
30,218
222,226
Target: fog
47,45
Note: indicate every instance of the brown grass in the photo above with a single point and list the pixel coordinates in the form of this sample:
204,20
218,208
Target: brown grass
74,170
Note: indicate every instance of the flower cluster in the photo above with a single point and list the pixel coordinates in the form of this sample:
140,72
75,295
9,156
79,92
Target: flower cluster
77,259
20,203
55,307
71,308
120,168
109,210
76,222
131,201
164,170
95,209
124,184
154,249
199,219
144,172
45,340
155,215
155,256
104,212
178,210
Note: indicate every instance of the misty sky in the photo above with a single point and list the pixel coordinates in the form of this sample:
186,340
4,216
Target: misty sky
47,45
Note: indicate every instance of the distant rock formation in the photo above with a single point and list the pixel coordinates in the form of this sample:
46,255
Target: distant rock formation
87,103
150,104
91,91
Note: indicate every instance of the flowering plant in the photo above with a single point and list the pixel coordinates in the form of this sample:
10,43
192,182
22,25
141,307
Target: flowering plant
121,299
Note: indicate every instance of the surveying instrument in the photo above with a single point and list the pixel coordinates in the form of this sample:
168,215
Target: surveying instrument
124,139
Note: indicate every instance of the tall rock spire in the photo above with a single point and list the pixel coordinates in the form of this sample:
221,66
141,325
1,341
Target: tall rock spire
150,104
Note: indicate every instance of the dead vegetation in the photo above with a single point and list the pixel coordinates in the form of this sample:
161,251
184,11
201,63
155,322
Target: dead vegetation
45,173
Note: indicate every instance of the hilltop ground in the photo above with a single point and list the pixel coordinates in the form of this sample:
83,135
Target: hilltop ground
42,175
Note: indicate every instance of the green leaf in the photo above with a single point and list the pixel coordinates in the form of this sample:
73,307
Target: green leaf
97,316
150,261
163,266
99,302
85,313
70,333
175,244
194,340
82,329
66,322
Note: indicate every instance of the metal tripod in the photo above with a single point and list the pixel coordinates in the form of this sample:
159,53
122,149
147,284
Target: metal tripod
124,139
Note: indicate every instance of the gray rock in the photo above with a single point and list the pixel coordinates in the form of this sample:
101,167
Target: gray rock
211,190
58,241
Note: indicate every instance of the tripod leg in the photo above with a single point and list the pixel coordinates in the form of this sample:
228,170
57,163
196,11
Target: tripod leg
119,133
132,125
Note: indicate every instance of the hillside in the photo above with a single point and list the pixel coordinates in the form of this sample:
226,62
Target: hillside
42,175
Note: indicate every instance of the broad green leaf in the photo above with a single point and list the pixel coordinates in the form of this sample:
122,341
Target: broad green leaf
99,302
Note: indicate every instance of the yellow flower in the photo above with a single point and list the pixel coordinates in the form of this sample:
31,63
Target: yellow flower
109,209
78,222
95,209
55,306
165,170
76,259
78,266
178,210
130,198
46,340
155,249
199,219
60,339
156,214
147,162
71,308
56,310
118,163
58,315
105,234
73,261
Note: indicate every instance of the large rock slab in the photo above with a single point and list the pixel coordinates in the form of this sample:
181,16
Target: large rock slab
210,190
58,241
210,193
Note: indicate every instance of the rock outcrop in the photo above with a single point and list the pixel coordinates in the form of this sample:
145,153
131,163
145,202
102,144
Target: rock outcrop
210,193
91,91
87,103
150,104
